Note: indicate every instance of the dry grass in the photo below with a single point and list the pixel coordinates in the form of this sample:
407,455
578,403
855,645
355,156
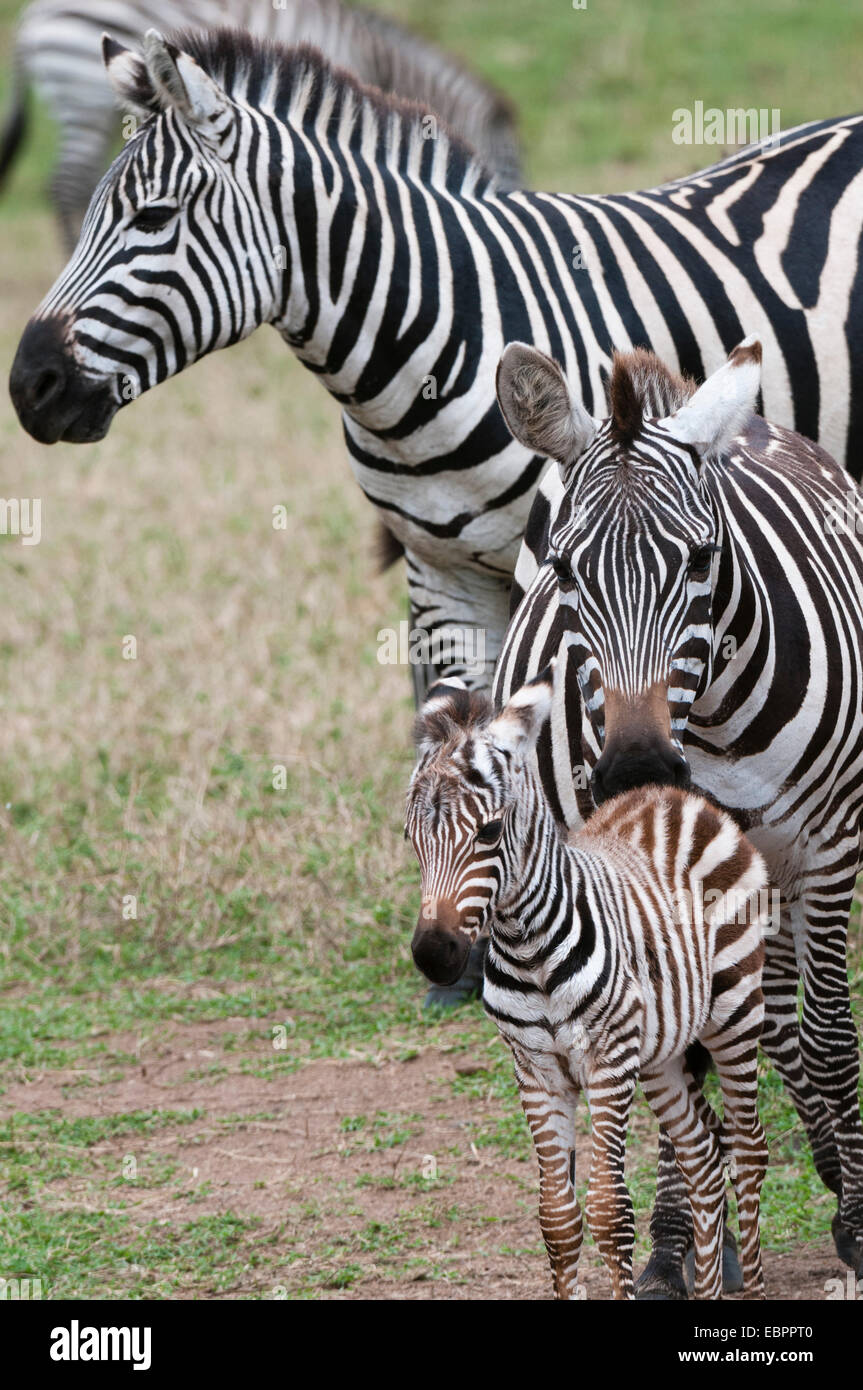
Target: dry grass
249,639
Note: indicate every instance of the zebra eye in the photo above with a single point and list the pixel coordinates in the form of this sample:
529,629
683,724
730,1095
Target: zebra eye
153,217
561,569
700,558
490,834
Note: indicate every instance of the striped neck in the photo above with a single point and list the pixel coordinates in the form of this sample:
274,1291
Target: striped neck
543,877
365,306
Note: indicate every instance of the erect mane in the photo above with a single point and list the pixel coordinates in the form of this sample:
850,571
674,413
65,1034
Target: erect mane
642,388
255,68
453,713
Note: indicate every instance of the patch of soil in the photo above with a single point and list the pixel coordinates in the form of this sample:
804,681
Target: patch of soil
331,1159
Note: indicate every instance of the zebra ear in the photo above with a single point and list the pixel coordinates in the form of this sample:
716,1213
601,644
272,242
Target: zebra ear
517,727
721,407
128,75
181,83
539,408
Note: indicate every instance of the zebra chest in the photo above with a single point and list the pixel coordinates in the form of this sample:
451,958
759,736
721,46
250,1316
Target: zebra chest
561,1039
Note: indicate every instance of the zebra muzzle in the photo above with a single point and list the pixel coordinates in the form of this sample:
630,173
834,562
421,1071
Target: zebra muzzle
440,953
52,397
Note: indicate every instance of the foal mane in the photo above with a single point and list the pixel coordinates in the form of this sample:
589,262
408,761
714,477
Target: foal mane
449,715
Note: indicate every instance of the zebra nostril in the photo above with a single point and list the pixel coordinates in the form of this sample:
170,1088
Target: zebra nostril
48,384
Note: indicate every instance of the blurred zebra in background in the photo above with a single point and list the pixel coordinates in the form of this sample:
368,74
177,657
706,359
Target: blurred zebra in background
59,52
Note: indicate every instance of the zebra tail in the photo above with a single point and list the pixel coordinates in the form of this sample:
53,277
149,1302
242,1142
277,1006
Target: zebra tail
15,126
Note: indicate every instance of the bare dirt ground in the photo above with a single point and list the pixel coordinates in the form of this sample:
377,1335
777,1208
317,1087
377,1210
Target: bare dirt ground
342,1193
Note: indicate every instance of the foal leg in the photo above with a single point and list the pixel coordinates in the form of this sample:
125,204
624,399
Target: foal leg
610,1091
671,1093
550,1115
670,1226
671,1233
780,1040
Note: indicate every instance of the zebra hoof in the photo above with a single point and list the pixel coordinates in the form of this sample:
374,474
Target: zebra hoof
661,1280
849,1247
732,1274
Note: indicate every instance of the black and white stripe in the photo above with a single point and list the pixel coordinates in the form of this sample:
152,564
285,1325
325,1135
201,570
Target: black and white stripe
58,51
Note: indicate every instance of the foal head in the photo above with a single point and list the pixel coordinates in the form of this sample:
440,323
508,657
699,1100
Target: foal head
462,814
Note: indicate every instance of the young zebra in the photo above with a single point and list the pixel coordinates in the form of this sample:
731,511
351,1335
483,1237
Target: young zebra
58,51
702,577
610,953
266,187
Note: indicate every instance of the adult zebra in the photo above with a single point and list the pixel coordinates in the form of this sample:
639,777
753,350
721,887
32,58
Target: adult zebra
267,187
705,588
57,50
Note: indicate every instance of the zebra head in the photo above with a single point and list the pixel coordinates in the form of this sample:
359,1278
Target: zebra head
635,543
464,814
175,257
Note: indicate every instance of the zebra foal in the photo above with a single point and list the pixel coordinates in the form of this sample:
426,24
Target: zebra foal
610,953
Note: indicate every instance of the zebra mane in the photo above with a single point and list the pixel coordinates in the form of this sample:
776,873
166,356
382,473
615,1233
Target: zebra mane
642,388
288,78
447,716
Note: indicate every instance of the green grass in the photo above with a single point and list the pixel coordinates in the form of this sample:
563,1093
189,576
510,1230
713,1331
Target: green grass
80,1253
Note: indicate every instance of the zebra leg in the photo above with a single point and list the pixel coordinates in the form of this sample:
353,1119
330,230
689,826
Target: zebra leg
458,620
670,1230
671,1219
610,1216
829,1045
780,1040
671,1093
742,1138
551,1118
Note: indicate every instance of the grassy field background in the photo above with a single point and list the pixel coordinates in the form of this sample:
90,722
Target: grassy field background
267,965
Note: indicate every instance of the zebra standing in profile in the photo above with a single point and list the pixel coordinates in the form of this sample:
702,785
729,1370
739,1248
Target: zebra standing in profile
700,573
609,955
58,49
265,187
